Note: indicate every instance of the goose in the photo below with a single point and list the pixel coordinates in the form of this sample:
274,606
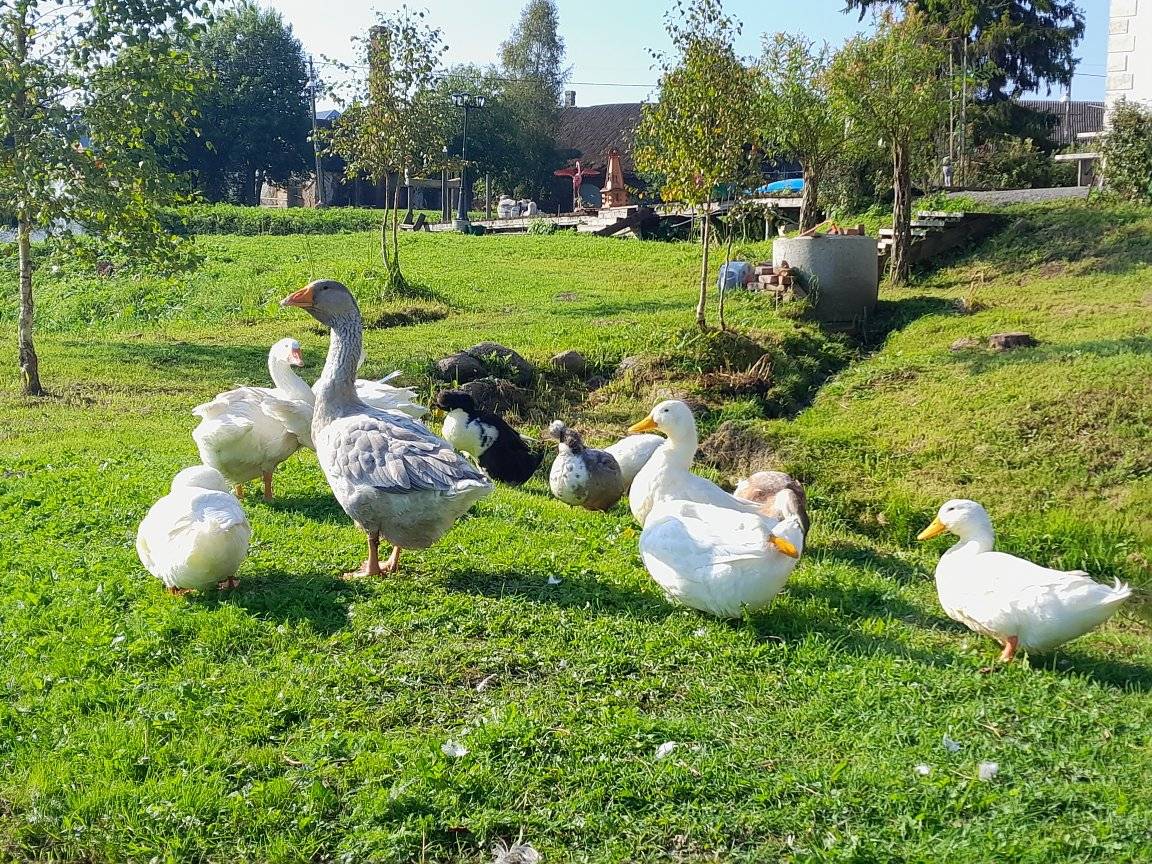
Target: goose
197,535
719,560
583,476
287,354
1021,605
764,488
247,432
487,438
632,453
667,474
393,477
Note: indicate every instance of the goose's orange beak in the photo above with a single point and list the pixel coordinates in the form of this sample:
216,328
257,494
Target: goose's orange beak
784,546
301,298
934,530
645,425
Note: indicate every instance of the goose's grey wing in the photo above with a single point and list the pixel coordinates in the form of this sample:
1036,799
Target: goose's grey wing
394,453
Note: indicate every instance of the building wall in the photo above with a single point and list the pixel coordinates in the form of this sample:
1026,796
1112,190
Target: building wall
1130,51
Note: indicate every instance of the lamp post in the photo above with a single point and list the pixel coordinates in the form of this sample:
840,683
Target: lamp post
445,204
464,101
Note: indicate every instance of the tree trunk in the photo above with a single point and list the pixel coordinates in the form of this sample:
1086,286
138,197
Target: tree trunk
29,362
901,214
809,212
724,282
705,240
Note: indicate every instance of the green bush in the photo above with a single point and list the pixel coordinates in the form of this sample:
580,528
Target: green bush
256,221
1127,152
1006,162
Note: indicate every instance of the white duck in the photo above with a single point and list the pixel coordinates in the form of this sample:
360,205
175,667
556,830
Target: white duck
247,432
632,453
720,560
286,354
1019,604
393,477
667,475
197,535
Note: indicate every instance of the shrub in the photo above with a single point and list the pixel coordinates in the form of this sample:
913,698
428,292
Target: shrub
255,221
1127,152
1005,162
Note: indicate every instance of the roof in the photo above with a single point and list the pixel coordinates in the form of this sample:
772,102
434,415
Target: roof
588,133
1072,118
329,114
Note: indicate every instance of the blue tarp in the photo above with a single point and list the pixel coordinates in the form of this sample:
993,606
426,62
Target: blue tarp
794,185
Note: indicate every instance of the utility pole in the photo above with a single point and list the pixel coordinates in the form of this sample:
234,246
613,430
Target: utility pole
315,135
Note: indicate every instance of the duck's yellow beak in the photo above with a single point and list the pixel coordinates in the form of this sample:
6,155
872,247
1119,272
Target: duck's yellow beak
784,546
645,425
934,530
302,298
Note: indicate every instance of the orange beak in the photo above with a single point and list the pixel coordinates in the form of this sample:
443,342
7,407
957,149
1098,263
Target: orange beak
295,358
645,425
784,546
301,298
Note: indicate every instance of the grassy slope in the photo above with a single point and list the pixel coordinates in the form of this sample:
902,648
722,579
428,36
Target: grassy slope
301,717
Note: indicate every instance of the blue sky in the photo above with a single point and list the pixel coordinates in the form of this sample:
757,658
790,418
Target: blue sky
609,41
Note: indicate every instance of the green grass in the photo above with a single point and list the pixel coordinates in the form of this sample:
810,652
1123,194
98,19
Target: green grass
301,717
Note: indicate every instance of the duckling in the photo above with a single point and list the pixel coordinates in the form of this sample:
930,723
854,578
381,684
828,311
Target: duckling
195,536
487,438
764,488
1019,604
583,476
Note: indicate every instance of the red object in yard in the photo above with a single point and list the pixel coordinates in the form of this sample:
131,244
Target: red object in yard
577,174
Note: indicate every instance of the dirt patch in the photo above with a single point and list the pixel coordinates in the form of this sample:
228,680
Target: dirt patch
737,448
406,317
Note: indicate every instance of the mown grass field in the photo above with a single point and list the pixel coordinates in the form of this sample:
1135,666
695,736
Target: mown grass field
301,717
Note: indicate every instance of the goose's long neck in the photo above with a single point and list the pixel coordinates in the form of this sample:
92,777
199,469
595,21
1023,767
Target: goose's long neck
336,389
287,381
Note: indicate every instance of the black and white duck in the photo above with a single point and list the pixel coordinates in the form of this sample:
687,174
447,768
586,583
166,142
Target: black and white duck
486,437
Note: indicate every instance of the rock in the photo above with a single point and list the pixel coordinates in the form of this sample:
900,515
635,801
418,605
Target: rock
461,367
964,344
498,360
595,382
572,362
630,364
1008,341
496,395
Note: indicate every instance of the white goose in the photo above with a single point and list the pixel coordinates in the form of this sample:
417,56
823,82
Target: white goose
197,535
1019,604
247,432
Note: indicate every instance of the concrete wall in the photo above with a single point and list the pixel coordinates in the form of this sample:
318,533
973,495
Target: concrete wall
1130,51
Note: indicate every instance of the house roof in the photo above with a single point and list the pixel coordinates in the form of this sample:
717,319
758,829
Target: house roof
1072,118
329,115
588,133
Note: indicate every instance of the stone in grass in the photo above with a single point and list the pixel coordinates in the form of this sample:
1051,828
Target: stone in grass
966,343
572,362
496,395
503,362
461,367
1008,341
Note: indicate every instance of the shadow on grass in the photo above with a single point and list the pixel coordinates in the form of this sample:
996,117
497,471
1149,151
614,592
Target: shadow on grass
979,361
247,363
570,593
315,506
1118,674
892,315
289,598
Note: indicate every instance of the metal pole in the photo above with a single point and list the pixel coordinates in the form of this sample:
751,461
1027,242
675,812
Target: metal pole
445,201
487,196
315,135
462,216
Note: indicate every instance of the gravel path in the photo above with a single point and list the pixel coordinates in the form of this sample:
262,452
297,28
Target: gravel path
1024,196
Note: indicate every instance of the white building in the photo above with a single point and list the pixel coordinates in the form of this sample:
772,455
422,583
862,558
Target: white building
1130,51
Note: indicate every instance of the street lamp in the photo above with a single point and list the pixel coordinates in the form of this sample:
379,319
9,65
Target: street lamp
465,101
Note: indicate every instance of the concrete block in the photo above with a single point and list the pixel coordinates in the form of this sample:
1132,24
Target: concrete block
1124,42
1123,8
1117,62
1117,26
1120,81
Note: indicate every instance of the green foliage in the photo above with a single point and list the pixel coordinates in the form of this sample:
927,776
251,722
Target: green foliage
543,227
1015,47
394,123
1004,162
248,221
892,89
798,119
94,93
254,117
1127,152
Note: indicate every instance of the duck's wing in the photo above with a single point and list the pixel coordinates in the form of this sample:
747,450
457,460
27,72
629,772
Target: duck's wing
294,414
385,397
394,453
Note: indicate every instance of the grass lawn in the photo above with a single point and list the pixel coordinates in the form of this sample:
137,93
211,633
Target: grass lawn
302,717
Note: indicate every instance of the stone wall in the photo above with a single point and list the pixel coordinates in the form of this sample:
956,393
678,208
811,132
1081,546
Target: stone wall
1130,51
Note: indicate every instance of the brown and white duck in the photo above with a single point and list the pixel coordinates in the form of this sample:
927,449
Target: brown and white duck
391,475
